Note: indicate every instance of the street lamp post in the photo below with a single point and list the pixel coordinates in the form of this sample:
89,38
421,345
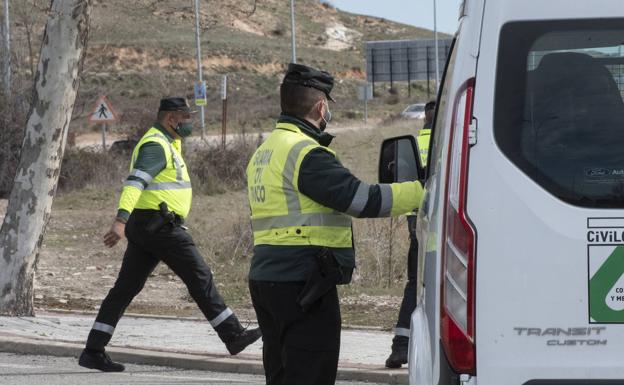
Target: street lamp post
437,55
292,28
199,65
7,47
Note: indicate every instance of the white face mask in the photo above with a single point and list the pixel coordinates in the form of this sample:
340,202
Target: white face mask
326,118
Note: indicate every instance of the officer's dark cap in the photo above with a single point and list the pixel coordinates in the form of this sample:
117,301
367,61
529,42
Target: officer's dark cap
175,104
310,77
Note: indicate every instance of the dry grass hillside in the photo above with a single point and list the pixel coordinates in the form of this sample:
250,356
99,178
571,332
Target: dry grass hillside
140,50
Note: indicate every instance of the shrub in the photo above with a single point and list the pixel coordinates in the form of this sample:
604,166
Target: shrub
279,30
392,100
85,168
353,114
215,169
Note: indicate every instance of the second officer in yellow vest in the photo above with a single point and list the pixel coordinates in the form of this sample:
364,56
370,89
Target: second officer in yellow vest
400,342
424,135
155,200
302,200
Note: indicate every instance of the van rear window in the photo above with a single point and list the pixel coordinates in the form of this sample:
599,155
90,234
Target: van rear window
559,110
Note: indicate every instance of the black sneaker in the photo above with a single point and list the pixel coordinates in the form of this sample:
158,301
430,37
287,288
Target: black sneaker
397,358
99,360
242,340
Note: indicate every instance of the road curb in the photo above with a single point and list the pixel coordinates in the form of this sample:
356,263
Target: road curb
23,345
55,311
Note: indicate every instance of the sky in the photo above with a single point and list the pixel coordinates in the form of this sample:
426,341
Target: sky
414,12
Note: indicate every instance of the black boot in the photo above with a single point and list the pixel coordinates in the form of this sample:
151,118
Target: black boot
242,340
92,359
398,357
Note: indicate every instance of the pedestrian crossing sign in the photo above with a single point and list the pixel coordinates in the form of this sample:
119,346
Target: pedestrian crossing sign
103,112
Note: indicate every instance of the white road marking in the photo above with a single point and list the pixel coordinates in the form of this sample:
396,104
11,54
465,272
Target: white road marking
131,374
20,366
186,378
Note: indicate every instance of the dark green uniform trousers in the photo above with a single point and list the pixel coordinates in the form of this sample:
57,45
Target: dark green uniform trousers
408,304
300,348
175,247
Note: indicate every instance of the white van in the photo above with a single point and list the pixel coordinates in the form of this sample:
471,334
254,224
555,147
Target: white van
522,225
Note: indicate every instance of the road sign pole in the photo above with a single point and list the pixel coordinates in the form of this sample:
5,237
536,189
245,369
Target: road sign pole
199,66
365,93
391,68
224,110
437,55
373,68
103,137
409,74
293,34
224,124
428,77
7,47
365,111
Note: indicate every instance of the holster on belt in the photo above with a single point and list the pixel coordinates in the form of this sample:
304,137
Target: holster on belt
159,221
322,279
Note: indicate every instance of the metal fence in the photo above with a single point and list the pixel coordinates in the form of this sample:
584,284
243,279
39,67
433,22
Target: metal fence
404,60
617,70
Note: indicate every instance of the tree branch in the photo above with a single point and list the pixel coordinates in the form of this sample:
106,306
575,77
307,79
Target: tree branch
255,6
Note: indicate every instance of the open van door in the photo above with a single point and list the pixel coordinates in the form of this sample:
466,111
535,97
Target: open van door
399,162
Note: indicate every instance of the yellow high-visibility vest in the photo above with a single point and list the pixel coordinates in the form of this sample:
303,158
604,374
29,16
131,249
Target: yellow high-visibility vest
172,185
423,140
280,214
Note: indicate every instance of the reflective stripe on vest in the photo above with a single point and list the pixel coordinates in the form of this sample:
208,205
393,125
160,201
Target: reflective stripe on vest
180,183
312,224
298,219
169,185
292,199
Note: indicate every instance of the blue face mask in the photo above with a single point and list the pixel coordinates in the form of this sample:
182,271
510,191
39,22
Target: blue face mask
184,129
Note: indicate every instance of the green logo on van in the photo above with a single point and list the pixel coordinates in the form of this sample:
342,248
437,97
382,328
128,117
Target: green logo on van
606,286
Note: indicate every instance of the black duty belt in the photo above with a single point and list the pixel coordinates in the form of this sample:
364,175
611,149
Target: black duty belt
147,214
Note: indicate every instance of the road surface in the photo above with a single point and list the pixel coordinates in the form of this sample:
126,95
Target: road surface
45,370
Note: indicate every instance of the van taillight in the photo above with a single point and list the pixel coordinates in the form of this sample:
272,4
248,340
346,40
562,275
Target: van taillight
458,252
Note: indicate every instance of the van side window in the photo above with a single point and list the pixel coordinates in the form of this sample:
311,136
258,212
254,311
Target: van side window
440,124
559,111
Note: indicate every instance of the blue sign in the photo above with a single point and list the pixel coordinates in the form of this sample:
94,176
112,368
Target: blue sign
200,93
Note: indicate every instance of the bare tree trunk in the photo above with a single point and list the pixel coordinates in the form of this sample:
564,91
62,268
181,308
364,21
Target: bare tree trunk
56,84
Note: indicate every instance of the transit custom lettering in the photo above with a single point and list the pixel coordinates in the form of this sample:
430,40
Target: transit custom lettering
595,335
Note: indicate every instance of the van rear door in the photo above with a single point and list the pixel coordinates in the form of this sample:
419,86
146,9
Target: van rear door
546,194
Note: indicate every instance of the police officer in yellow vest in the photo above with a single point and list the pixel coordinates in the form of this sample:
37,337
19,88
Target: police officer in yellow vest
302,200
400,342
424,134
155,200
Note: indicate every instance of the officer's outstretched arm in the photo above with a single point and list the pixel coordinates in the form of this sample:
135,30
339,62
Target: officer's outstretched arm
326,181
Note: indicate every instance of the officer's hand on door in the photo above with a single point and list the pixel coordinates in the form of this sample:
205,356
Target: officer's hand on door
115,233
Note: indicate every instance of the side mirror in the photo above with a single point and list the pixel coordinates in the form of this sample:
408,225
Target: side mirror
399,160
